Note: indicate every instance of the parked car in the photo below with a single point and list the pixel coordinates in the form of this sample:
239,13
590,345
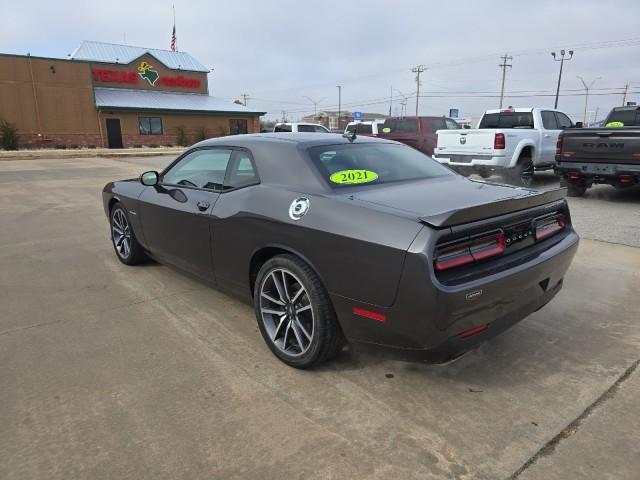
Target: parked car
511,142
417,132
361,239
365,128
609,155
300,128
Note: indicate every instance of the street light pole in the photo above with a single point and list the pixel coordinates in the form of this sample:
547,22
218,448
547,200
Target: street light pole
586,97
315,104
339,87
561,60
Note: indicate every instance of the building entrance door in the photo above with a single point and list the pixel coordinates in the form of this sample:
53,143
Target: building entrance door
114,133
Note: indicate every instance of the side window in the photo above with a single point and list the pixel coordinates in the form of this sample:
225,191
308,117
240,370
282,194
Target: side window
319,129
305,128
438,124
549,120
241,171
201,169
451,124
563,120
282,128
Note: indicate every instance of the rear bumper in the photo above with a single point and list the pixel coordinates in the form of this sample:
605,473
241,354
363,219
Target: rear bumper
468,164
595,172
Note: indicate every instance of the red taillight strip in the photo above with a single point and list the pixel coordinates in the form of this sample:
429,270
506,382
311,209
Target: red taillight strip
380,317
546,227
474,331
468,251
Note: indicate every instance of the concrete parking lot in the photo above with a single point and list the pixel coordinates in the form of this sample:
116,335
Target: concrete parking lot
108,371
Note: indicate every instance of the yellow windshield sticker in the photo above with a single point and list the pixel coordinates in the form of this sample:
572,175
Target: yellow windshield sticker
386,130
614,125
353,176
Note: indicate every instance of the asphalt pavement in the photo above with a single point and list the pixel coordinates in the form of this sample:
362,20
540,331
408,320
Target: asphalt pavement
109,371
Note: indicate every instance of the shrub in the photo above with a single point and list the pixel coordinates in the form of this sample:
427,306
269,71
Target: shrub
223,131
201,134
181,136
9,137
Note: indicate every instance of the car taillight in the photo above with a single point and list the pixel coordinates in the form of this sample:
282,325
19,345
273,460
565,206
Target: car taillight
436,140
559,144
499,142
546,227
468,251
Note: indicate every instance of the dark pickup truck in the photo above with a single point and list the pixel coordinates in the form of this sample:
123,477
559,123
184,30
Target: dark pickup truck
417,132
610,155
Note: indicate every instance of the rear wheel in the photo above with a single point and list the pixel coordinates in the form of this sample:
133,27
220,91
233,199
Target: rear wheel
127,248
294,313
575,188
522,173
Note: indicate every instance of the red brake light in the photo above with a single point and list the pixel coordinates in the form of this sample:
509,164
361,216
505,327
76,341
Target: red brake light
469,251
548,226
559,144
499,142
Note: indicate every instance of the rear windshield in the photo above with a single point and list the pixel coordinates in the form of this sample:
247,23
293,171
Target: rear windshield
507,120
628,118
399,125
373,164
361,128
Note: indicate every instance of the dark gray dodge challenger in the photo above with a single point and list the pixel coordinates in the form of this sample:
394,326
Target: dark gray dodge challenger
336,239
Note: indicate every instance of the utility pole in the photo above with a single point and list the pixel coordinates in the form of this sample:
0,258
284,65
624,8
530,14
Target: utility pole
586,97
561,60
315,104
390,99
244,96
418,70
504,66
284,116
624,95
339,87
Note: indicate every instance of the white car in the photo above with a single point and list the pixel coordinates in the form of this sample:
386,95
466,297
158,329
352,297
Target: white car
513,142
300,128
365,128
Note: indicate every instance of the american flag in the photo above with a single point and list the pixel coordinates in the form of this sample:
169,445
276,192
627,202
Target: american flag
173,39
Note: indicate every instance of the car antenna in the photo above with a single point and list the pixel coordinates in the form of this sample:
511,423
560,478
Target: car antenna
351,136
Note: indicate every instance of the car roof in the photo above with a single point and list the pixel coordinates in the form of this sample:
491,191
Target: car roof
302,139
299,123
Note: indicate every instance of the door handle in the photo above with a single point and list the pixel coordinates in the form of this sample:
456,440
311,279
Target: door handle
546,135
202,206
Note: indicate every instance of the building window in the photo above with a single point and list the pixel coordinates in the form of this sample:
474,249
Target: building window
150,125
236,127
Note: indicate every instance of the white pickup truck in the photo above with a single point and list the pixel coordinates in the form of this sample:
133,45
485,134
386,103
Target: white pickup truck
513,142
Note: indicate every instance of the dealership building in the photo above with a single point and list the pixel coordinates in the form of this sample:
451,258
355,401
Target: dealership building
115,96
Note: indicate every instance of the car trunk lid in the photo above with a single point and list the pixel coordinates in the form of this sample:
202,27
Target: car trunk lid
604,145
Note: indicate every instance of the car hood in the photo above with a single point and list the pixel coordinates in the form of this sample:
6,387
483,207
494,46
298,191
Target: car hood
443,202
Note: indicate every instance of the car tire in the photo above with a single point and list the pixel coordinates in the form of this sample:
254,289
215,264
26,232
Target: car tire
574,188
301,329
123,238
523,173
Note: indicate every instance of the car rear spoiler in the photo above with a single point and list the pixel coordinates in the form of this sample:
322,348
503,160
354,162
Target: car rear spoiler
493,209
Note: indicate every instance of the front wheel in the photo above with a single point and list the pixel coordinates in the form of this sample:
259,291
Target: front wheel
127,248
294,313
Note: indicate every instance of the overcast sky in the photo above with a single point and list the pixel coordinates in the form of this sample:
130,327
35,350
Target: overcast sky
280,51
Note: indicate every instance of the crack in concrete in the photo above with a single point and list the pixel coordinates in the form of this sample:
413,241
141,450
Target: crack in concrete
550,447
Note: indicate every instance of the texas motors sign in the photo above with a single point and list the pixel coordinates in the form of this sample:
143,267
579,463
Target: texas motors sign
144,72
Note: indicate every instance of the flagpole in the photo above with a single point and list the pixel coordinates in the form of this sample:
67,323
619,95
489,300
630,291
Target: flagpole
174,25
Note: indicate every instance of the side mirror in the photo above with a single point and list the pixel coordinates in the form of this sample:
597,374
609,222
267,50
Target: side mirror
578,125
149,178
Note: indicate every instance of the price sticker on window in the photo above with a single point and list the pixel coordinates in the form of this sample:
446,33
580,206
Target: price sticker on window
353,176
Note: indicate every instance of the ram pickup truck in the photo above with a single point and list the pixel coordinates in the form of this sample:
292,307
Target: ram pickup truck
513,143
610,155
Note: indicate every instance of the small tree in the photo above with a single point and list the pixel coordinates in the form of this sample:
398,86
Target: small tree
201,134
181,136
223,131
8,135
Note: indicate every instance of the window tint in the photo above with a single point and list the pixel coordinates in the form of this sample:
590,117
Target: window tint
282,128
628,117
549,120
372,164
563,120
237,126
150,125
451,124
400,125
306,128
360,128
319,129
241,171
507,120
201,169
